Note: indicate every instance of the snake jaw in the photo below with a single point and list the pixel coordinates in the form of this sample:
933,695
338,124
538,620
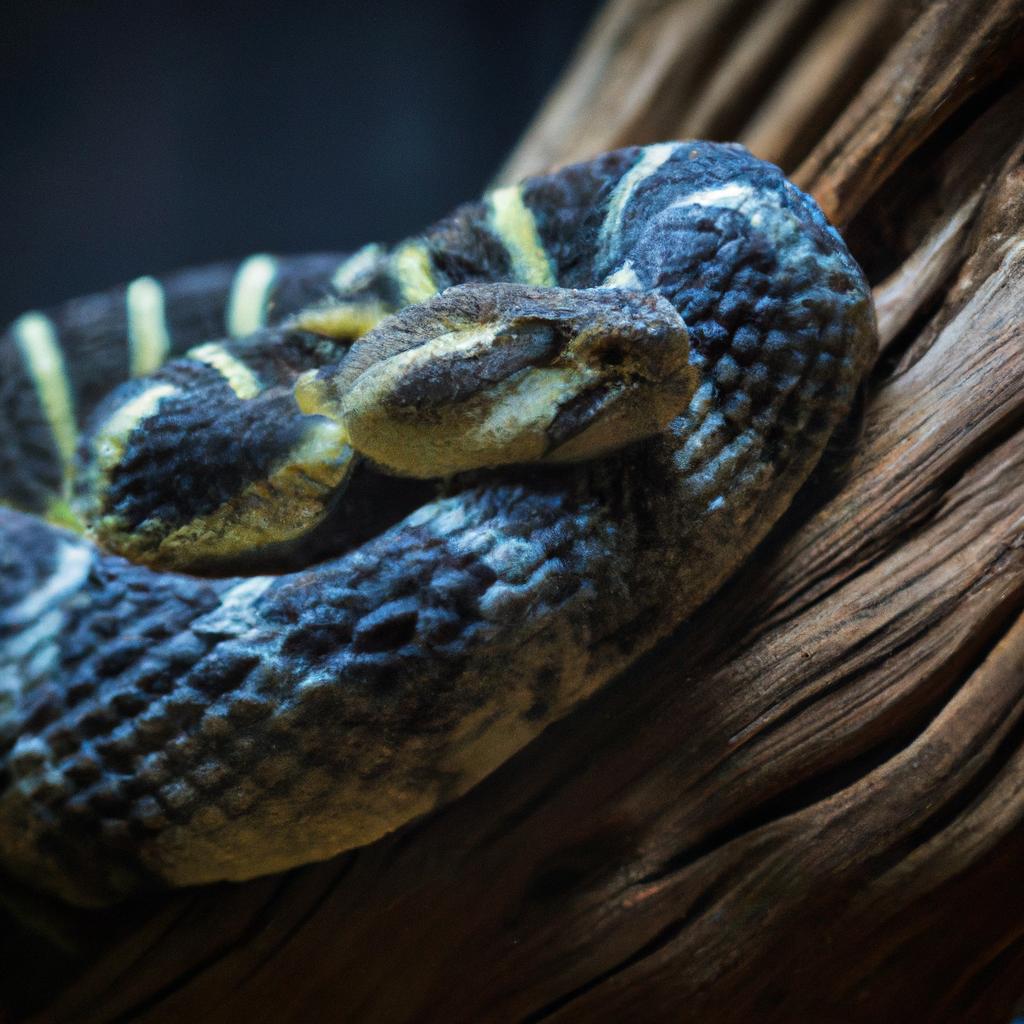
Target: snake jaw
599,421
642,379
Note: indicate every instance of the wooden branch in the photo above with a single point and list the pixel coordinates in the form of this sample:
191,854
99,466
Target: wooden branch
656,69
971,173
951,51
819,80
808,804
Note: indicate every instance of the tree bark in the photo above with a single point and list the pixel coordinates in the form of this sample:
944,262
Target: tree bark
808,804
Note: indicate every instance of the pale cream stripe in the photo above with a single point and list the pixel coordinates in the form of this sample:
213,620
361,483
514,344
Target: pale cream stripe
110,440
240,378
247,306
342,320
148,339
515,225
36,337
624,277
412,270
354,272
653,157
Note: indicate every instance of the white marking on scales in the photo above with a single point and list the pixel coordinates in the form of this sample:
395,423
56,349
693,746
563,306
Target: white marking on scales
71,568
236,612
733,196
651,159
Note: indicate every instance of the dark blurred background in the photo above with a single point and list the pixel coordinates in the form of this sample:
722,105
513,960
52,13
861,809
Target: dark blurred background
143,136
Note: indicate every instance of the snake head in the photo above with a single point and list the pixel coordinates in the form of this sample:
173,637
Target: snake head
490,374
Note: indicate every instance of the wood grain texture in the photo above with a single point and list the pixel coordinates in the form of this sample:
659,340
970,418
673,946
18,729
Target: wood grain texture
643,63
808,804
950,51
819,78
770,74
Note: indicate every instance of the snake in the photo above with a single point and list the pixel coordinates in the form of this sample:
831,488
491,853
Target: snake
294,550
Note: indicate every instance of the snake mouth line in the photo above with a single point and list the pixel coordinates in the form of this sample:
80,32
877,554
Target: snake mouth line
575,416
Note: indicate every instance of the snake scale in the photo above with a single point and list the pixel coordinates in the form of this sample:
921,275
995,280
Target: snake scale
359,527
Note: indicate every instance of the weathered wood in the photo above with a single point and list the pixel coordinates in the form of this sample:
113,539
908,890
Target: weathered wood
951,51
819,79
808,804
770,74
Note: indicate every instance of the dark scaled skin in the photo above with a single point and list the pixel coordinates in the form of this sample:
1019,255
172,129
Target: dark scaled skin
157,728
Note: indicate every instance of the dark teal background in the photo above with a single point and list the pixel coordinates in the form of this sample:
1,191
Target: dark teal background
142,136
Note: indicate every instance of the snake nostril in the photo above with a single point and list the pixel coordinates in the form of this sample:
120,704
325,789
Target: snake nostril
612,355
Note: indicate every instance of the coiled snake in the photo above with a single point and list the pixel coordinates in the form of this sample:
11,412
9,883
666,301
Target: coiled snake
277,638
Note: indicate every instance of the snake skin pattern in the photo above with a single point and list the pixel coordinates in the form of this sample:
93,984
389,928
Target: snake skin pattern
164,728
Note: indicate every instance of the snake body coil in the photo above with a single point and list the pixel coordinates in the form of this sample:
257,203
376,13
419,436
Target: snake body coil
163,727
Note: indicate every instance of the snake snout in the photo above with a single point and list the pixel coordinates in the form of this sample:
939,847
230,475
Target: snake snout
489,375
